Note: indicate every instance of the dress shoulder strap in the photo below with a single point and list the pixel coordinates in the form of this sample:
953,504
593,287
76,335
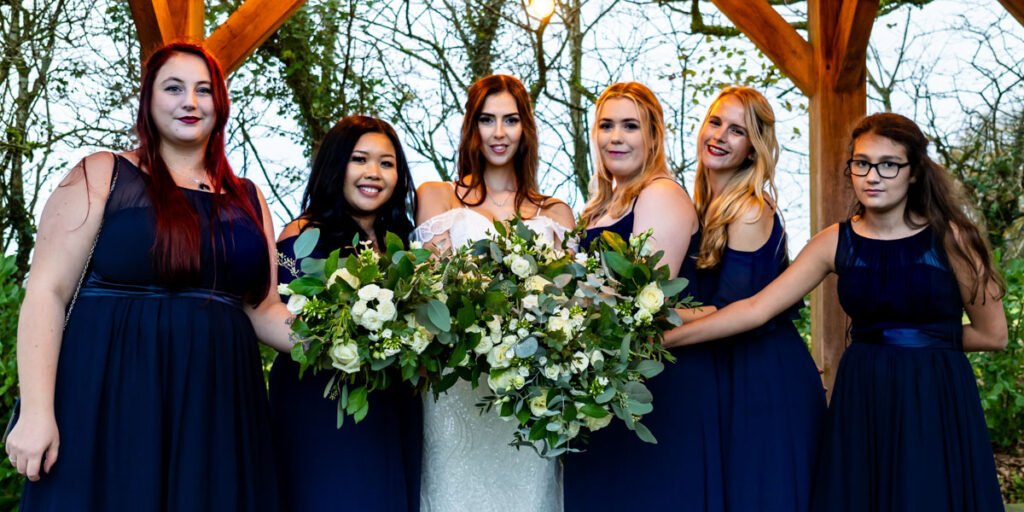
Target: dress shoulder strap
844,246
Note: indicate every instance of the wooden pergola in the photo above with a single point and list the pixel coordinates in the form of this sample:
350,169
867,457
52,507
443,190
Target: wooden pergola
828,67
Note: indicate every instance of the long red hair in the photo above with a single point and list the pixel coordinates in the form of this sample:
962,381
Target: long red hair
177,247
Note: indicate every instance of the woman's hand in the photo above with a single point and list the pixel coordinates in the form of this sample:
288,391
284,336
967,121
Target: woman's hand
33,444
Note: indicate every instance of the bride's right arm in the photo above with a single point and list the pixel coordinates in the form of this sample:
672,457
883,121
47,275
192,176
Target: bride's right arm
432,199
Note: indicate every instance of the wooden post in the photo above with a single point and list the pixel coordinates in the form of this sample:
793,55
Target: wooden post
1016,8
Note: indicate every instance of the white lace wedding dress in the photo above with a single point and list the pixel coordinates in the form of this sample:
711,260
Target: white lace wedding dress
468,464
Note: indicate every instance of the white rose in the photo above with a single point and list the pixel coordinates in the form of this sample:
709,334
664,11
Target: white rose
651,298
535,283
551,372
520,266
387,311
371,320
419,342
500,381
386,334
500,356
358,309
345,357
485,345
345,275
530,302
595,424
282,289
415,244
580,361
296,303
518,381
581,258
369,292
385,295
643,317
539,404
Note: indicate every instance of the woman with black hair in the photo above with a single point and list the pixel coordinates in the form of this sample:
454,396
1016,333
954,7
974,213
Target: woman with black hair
359,186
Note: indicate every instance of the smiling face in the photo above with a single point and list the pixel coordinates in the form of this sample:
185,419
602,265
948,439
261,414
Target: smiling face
371,173
182,107
724,140
620,138
877,194
500,129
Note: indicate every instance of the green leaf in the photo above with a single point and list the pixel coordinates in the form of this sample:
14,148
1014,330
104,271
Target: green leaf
638,408
439,315
606,396
649,367
618,263
594,411
307,285
341,414
673,287
539,429
393,243
614,241
312,266
644,433
526,348
306,242
331,264
356,400
637,391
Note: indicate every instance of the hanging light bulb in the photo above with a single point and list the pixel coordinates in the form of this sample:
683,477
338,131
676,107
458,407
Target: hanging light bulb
541,9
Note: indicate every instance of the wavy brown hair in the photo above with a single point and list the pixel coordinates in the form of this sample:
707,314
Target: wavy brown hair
603,197
754,183
472,163
932,196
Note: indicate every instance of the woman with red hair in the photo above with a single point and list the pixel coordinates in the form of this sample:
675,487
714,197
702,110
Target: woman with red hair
148,394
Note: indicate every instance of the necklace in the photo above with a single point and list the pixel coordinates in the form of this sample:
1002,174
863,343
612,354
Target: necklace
200,183
490,197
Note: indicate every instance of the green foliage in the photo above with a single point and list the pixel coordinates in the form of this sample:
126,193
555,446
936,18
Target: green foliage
1001,374
10,301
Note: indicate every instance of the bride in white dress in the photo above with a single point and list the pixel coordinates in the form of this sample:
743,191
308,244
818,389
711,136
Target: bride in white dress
468,464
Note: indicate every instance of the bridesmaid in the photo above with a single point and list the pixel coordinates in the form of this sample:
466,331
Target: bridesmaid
633,191
905,429
360,185
770,396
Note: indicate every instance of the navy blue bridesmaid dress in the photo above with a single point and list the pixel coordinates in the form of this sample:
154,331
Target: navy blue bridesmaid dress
905,429
370,466
683,472
159,399
770,396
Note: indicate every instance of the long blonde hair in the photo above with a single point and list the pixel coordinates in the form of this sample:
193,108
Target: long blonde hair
752,184
602,186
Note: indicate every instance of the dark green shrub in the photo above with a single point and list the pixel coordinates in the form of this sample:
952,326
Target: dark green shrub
11,294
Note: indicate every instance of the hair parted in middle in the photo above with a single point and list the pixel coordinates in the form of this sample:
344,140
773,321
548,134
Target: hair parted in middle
525,161
652,121
754,183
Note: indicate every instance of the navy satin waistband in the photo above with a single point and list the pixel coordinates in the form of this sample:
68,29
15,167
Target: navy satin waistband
907,337
95,286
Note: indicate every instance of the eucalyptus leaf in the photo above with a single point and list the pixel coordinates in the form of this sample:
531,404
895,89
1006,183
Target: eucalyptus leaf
312,266
644,433
526,348
306,242
637,391
649,367
674,287
638,408
439,315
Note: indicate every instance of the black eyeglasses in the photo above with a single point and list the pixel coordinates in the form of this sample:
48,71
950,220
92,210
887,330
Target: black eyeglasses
887,170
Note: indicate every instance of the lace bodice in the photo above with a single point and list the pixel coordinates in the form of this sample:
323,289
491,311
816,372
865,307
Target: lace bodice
465,225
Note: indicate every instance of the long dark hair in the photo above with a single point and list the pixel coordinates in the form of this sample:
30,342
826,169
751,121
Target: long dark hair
932,196
177,246
525,161
323,203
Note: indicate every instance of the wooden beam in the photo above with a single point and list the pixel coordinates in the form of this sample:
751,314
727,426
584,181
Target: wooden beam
247,28
188,17
850,46
775,37
153,23
1016,8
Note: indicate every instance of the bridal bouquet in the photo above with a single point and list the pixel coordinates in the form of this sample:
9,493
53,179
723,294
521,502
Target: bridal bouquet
566,342
369,318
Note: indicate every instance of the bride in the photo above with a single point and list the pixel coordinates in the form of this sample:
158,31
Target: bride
467,461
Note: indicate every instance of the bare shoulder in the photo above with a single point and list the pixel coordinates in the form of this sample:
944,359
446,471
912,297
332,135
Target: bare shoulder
752,227
663,196
435,191
293,228
822,247
96,170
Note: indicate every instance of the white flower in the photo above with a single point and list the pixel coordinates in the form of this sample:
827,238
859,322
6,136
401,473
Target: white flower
369,292
602,381
419,342
551,372
387,310
415,244
345,275
539,404
522,333
485,345
501,356
596,357
358,309
296,303
500,381
642,317
494,324
573,429
345,357
386,334
282,289
518,381
520,266
597,423
371,320
580,361
530,302
535,283
385,295
651,298
581,258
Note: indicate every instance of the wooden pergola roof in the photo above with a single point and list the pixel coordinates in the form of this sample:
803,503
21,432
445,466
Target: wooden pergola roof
828,67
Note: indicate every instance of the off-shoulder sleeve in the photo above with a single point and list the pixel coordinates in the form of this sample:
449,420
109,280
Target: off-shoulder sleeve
436,225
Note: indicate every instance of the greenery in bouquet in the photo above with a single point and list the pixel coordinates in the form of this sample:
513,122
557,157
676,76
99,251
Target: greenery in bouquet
369,318
566,341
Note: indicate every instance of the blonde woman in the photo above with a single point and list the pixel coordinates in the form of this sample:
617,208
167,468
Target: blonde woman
770,397
633,191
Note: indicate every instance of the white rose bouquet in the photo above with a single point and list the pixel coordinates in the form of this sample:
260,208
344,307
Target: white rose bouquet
370,318
566,341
